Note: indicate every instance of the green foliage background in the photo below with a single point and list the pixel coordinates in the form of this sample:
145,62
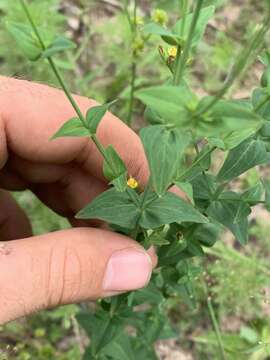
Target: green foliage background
238,279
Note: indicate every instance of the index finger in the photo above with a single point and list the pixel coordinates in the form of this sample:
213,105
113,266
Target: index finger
31,113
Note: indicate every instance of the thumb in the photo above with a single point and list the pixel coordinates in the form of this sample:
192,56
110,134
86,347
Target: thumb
68,266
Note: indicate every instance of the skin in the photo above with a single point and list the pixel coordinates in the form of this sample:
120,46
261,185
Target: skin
66,174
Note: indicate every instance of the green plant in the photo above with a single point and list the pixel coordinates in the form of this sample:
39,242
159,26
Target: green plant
184,135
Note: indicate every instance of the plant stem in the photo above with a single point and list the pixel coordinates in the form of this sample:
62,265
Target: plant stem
239,66
128,15
180,68
184,10
147,189
216,327
197,162
132,91
63,85
66,91
35,29
133,29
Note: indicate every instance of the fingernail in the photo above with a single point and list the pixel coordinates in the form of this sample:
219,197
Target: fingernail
127,269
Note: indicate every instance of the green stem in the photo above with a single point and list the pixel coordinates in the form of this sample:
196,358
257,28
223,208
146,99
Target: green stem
180,68
62,83
238,67
184,10
31,21
132,91
128,15
197,162
216,327
66,91
133,29
135,231
52,64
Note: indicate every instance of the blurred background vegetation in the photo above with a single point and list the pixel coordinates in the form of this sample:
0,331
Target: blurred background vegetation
238,278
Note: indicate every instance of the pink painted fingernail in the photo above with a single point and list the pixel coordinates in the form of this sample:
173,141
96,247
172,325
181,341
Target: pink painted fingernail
127,269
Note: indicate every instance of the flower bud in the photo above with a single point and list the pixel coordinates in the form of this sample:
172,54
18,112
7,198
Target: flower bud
160,16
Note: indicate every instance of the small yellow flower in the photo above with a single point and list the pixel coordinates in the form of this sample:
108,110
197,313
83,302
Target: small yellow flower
132,183
160,16
172,51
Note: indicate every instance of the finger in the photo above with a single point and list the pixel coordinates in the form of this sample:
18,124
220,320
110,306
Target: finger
67,267
14,223
38,114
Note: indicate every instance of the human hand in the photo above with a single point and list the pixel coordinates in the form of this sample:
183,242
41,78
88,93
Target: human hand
84,263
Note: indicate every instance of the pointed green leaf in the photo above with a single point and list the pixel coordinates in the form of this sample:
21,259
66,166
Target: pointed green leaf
100,328
58,45
168,209
235,109
95,114
164,149
72,127
187,188
245,156
120,348
172,103
120,183
254,194
262,97
168,36
205,15
113,207
26,40
115,166
233,215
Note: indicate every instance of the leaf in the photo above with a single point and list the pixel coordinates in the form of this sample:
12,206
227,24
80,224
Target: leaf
237,137
259,96
228,119
120,348
157,238
164,149
265,131
245,156
204,187
149,295
172,103
254,194
266,184
201,163
233,215
187,188
113,207
95,114
60,44
152,117
26,40
72,127
248,334
205,15
168,209
120,183
234,109
100,328
207,234
168,36
115,169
